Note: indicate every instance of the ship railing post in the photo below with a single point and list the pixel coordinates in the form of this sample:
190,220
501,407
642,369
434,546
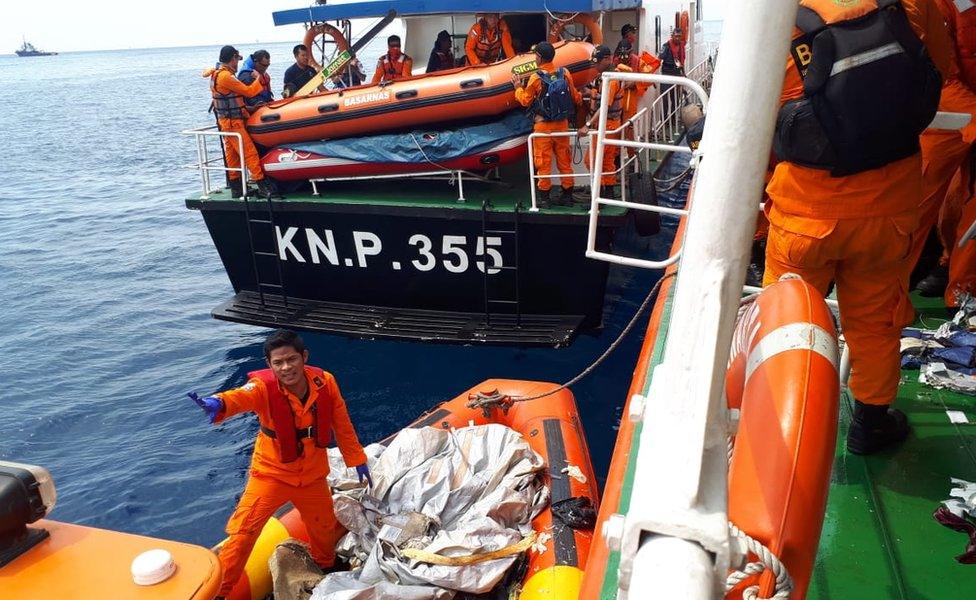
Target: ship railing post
532,173
680,490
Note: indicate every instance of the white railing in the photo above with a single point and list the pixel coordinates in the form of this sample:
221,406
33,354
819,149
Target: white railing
674,539
205,162
637,127
596,201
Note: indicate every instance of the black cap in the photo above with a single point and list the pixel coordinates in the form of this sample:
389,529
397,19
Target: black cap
229,52
545,50
626,29
443,35
599,53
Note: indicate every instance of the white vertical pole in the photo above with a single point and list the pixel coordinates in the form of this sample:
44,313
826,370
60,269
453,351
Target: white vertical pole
680,485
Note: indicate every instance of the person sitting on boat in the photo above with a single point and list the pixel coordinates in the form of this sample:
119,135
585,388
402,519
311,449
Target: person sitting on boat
394,64
256,66
350,76
603,59
442,56
845,212
551,96
489,40
299,73
228,103
628,35
299,409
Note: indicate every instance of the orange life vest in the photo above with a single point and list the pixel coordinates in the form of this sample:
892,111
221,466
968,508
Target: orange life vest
489,44
288,438
962,25
229,105
591,96
392,69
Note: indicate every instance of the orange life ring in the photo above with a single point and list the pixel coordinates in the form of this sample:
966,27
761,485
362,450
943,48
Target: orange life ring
596,34
684,23
783,377
323,29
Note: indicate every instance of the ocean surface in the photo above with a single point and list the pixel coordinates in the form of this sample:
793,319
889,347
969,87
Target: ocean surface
106,287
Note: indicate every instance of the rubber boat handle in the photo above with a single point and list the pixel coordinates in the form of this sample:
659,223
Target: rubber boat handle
268,118
406,94
472,83
324,108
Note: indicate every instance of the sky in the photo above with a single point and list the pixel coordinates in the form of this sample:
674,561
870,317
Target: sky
69,25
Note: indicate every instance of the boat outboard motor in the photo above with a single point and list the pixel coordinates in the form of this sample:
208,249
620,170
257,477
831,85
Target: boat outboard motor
26,494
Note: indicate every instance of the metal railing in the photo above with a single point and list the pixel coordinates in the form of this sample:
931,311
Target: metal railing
596,201
638,126
205,162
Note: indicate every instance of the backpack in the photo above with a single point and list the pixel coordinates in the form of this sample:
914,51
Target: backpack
869,90
555,103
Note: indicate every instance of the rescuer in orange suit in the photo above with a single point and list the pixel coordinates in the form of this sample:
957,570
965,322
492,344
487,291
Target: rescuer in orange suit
552,100
228,103
394,64
603,59
489,40
945,151
846,213
299,408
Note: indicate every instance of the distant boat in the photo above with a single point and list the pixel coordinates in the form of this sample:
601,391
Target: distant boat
28,49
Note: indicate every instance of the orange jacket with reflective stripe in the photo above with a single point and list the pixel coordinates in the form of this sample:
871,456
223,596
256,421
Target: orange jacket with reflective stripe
388,69
313,463
891,189
484,44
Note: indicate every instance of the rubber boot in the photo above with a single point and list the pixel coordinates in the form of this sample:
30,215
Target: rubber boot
565,197
542,198
934,284
607,191
236,189
875,427
267,189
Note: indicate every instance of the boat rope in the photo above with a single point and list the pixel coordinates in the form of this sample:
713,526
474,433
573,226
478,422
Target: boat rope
555,18
428,159
487,400
767,560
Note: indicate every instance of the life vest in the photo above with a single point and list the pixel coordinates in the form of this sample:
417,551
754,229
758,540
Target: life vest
489,44
445,60
288,438
392,69
592,94
229,105
265,95
555,101
869,88
962,23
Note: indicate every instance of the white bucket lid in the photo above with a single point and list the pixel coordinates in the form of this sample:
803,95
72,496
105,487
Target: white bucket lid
152,567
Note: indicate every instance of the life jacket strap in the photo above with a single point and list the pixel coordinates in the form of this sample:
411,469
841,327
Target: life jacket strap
304,432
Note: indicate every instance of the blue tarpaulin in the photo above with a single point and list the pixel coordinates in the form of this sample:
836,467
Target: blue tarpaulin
422,145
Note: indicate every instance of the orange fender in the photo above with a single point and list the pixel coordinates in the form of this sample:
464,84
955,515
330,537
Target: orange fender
592,26
783,378
323,29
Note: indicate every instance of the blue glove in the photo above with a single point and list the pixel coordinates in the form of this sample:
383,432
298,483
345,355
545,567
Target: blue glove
363,471
212,405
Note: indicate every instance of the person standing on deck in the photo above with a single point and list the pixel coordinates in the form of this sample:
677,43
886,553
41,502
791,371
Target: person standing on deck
672,63
299,408
256,67
943,154
551,95
228,103
628,36
489,40
603,59
844,198
394,64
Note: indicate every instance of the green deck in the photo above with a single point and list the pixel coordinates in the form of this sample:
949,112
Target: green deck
879,538
424,193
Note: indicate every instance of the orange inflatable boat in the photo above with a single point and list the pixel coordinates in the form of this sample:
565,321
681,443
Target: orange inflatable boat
551,426
464,93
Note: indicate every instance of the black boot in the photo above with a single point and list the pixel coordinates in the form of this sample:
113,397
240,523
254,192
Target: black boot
236,189
934,284
542,198
607,191
875,427
267,188
565,197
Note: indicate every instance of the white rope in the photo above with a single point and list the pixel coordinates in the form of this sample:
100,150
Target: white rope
767,560
555,18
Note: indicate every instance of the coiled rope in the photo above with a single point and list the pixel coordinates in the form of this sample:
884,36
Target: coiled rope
767,560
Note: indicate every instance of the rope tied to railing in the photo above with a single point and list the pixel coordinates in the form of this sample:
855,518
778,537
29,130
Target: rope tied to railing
767,560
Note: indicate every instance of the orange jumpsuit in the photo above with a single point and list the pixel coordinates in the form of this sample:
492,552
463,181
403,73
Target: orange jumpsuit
856,229
227,83
608,174
544,147
483,43
272,483
388,69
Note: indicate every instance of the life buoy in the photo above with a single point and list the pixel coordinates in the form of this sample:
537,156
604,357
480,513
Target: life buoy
684,23
323,29
782,377
596,34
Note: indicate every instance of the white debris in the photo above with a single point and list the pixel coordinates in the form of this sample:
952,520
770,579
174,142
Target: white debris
575,472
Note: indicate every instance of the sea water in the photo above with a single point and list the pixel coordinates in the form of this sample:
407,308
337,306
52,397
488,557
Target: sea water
106,287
